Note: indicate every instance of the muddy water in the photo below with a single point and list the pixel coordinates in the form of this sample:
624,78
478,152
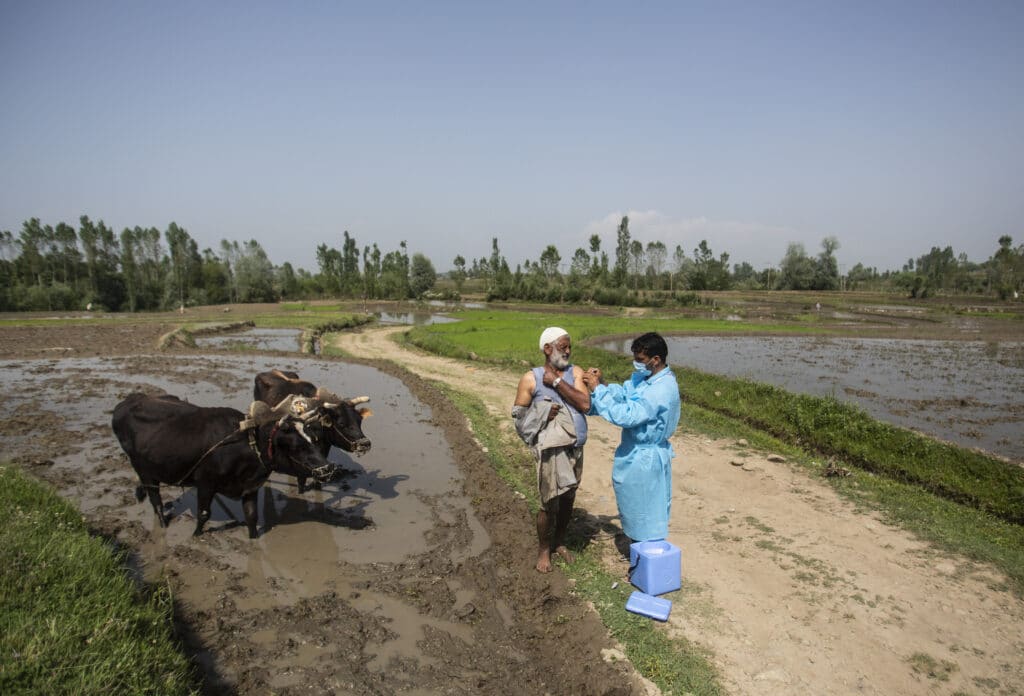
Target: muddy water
393,503
967,392
258,339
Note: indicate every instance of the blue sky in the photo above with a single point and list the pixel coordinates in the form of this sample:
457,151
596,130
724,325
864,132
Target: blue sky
893,127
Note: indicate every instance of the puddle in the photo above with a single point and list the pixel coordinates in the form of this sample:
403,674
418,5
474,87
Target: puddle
413,318
967,392
254,339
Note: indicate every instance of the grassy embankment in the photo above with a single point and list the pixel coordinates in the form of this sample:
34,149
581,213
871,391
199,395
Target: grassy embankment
958,499
313,320
71,620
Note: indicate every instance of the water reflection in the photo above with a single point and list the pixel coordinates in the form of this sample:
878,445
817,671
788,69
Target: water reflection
968,392
413,318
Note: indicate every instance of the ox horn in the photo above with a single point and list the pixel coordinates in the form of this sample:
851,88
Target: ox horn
260,413
355,401
329,399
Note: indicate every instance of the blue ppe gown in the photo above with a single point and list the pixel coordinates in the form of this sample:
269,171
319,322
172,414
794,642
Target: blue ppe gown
647,410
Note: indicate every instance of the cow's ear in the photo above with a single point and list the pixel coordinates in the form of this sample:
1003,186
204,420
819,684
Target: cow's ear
364,412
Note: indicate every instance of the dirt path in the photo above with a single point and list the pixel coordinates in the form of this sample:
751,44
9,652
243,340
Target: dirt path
791,589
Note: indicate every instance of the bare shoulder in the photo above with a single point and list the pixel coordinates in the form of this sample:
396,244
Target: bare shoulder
524,392
577,372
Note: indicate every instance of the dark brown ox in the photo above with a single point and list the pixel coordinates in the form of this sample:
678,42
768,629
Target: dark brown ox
341,423
217,450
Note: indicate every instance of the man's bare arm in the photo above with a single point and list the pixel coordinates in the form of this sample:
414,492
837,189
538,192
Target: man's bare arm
576,396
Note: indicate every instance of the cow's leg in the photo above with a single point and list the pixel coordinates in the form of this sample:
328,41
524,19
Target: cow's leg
204,499
251,511
152,489
302,484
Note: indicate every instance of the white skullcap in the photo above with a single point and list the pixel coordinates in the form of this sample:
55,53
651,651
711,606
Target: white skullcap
550,335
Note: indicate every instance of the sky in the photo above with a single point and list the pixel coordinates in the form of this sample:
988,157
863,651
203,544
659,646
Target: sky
893,127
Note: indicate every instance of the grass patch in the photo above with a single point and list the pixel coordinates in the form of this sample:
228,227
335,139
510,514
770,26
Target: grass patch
925,664
71,620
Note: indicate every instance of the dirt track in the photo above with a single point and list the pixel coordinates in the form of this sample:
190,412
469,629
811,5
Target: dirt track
792,589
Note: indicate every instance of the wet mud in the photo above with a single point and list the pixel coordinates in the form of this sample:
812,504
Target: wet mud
410,573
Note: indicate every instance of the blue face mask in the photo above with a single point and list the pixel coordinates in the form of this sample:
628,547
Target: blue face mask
641,368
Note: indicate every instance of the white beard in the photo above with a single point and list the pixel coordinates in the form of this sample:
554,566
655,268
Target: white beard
559,361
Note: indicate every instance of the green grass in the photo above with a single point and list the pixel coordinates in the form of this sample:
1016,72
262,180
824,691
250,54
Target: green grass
676,665
511,336
71,620
960,500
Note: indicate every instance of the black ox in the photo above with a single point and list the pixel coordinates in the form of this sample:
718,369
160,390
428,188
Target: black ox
341,423
217,450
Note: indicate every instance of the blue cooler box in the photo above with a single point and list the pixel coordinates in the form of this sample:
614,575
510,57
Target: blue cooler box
655,566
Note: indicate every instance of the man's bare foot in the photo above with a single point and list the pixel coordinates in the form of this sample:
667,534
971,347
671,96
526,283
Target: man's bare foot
565,554
544,561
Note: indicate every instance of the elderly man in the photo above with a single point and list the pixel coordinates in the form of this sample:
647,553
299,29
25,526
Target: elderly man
549,413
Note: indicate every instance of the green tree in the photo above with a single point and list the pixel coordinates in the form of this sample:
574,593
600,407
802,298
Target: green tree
30,262
680,265
186,264
130,269
394,275
287,282
708,272
500,283
579,267
350,281
826,270
549,260
796,270
636,261
656,255
421,275
254,274
458,274
70,257
216,279
102,254
331,269
621,269
1006,268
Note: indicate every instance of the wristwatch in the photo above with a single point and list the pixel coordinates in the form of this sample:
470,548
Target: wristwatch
558,380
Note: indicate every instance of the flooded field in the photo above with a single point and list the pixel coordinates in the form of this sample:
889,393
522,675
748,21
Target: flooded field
967,392
384,581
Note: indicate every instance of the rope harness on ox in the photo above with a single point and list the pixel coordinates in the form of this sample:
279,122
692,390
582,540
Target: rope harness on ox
297,409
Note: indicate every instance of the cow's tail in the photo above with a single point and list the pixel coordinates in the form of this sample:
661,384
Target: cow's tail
140,492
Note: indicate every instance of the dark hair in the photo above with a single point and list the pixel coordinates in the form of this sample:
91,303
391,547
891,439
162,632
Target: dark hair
651,344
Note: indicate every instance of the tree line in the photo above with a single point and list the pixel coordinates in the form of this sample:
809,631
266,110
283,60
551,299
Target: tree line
648,273
62,267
